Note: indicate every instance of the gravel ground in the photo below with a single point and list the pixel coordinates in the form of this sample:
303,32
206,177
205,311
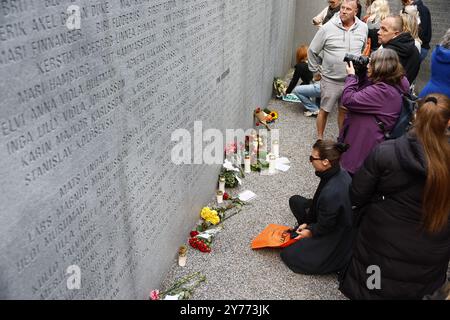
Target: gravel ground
232,269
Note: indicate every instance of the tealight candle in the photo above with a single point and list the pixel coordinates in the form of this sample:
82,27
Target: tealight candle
272,161
247,165
222,184
219,197
276,149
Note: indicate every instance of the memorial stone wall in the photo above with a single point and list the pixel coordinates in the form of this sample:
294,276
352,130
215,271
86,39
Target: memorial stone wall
86,118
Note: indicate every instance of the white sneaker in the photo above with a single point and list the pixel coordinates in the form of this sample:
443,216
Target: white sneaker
310,113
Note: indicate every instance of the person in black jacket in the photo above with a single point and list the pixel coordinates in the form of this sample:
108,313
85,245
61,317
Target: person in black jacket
425,30
306,90
402,196
324,222
391,36
301,69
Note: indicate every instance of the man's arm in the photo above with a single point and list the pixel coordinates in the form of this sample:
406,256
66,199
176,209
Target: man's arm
317,20
315,48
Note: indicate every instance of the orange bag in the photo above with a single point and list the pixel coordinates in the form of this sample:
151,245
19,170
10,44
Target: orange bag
273,236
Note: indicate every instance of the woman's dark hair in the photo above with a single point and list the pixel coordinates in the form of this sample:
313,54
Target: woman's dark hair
386,67
430,127
330,150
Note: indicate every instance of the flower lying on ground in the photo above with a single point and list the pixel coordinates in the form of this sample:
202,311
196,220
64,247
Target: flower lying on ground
202,238
273,115
279,86
154,295
194,234
232,172
200,244
181,289
210,215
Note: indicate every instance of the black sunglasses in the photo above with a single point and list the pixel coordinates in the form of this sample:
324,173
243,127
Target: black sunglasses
311,159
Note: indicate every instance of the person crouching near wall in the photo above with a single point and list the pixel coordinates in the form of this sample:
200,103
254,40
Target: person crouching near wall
374,102
402,248
325,222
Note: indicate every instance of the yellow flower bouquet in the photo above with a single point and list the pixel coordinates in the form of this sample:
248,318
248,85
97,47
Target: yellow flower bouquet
211,216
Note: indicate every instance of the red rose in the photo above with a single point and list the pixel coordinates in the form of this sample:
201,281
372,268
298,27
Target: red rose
226,196
257,124
194,233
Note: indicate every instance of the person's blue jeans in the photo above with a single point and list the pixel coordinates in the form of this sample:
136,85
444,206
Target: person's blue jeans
307,91
423,54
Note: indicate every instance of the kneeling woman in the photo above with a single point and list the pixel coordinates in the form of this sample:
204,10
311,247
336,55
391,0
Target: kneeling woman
325,223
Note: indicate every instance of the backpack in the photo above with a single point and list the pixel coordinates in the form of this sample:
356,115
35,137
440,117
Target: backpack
404,121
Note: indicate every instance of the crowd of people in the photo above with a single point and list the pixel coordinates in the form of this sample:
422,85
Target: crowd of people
381,202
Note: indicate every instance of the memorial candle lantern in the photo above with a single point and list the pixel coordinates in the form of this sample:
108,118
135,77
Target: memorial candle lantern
222,184
276,149
219,197
247,165
272,161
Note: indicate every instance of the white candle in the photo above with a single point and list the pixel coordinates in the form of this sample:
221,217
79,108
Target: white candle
276,149
222,184
272,161
248,168
219,197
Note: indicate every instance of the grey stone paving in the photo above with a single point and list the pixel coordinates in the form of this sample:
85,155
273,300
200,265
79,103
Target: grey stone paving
232,269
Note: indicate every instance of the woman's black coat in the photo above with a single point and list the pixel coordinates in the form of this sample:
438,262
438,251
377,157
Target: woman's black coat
389,189
329,249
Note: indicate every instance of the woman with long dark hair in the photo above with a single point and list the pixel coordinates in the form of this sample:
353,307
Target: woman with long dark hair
402,248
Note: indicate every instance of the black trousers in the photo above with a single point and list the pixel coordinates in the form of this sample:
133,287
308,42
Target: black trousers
300,207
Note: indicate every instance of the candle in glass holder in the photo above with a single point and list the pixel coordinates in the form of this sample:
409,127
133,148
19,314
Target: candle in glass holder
222,184
247,166
276,149
219,197
272,161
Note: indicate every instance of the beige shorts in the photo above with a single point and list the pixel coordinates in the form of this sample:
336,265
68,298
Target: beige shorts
330,94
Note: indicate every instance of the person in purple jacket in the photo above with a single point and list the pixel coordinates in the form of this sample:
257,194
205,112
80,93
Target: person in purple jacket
371,98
